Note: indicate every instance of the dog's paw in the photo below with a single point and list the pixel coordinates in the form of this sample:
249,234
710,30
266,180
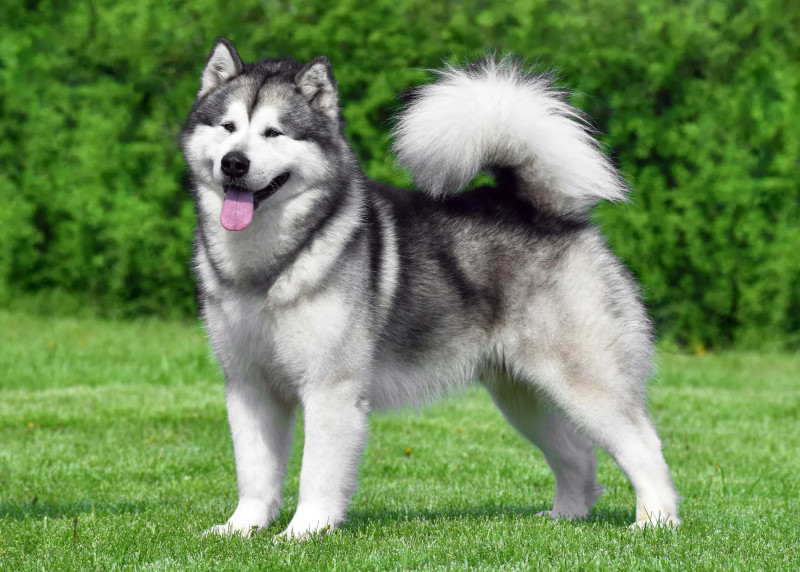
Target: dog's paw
230,529
660,521
299,535
250,517
307,524
554,514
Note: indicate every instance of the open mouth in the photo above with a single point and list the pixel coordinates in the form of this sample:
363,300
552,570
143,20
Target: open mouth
270,189
239,203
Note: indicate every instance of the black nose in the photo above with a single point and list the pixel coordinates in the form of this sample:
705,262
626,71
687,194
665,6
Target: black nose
235,164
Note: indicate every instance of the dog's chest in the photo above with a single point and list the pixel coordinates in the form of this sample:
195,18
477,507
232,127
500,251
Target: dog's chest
298,342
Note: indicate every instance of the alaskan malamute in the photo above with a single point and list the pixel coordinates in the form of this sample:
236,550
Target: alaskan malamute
325,290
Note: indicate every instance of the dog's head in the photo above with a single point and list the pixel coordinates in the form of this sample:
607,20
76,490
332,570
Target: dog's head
261,129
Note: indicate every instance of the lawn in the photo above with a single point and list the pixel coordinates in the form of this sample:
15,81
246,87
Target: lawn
115,453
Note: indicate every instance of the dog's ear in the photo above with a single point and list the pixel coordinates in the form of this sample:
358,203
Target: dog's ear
223,64
315,81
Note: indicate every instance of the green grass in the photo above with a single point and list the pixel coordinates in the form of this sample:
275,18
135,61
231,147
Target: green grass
115,453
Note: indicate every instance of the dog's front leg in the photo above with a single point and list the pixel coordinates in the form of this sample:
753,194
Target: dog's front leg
335,417
261,429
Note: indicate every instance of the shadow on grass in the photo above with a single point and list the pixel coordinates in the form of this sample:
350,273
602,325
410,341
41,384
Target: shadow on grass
35,509
358,519
362,519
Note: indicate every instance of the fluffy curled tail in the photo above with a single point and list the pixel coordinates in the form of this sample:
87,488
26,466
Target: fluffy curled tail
494,114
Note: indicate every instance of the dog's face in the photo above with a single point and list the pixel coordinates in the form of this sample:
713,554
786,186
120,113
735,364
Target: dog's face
258,130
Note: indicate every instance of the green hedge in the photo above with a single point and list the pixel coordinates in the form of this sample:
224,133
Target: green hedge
699,101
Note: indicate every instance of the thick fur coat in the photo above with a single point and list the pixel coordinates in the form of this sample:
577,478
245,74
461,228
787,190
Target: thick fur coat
327,291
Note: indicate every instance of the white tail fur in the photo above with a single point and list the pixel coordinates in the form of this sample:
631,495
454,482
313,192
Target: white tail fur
494,114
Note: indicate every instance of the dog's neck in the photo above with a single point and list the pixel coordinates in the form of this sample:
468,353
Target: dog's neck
299,229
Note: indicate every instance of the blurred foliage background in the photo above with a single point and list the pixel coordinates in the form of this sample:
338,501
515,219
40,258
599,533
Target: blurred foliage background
698,99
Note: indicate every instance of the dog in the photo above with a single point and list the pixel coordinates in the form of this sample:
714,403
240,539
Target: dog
322,289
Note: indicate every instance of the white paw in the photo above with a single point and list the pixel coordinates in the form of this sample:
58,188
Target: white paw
250,517
554,514
229,529
292,533
306,524
660,520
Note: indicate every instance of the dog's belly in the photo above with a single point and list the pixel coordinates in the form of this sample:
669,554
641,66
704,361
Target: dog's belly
326,339
397,384
408,374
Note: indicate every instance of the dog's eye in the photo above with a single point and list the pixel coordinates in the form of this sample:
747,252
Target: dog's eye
229,127
272,132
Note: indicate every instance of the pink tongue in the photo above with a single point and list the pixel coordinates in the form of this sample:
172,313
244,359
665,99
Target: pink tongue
237,210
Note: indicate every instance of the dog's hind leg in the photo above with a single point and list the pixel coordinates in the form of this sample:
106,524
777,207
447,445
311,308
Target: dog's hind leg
631,439
568,452
609,406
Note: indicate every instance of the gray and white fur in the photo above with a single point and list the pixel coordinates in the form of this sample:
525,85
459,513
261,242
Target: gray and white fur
341,295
